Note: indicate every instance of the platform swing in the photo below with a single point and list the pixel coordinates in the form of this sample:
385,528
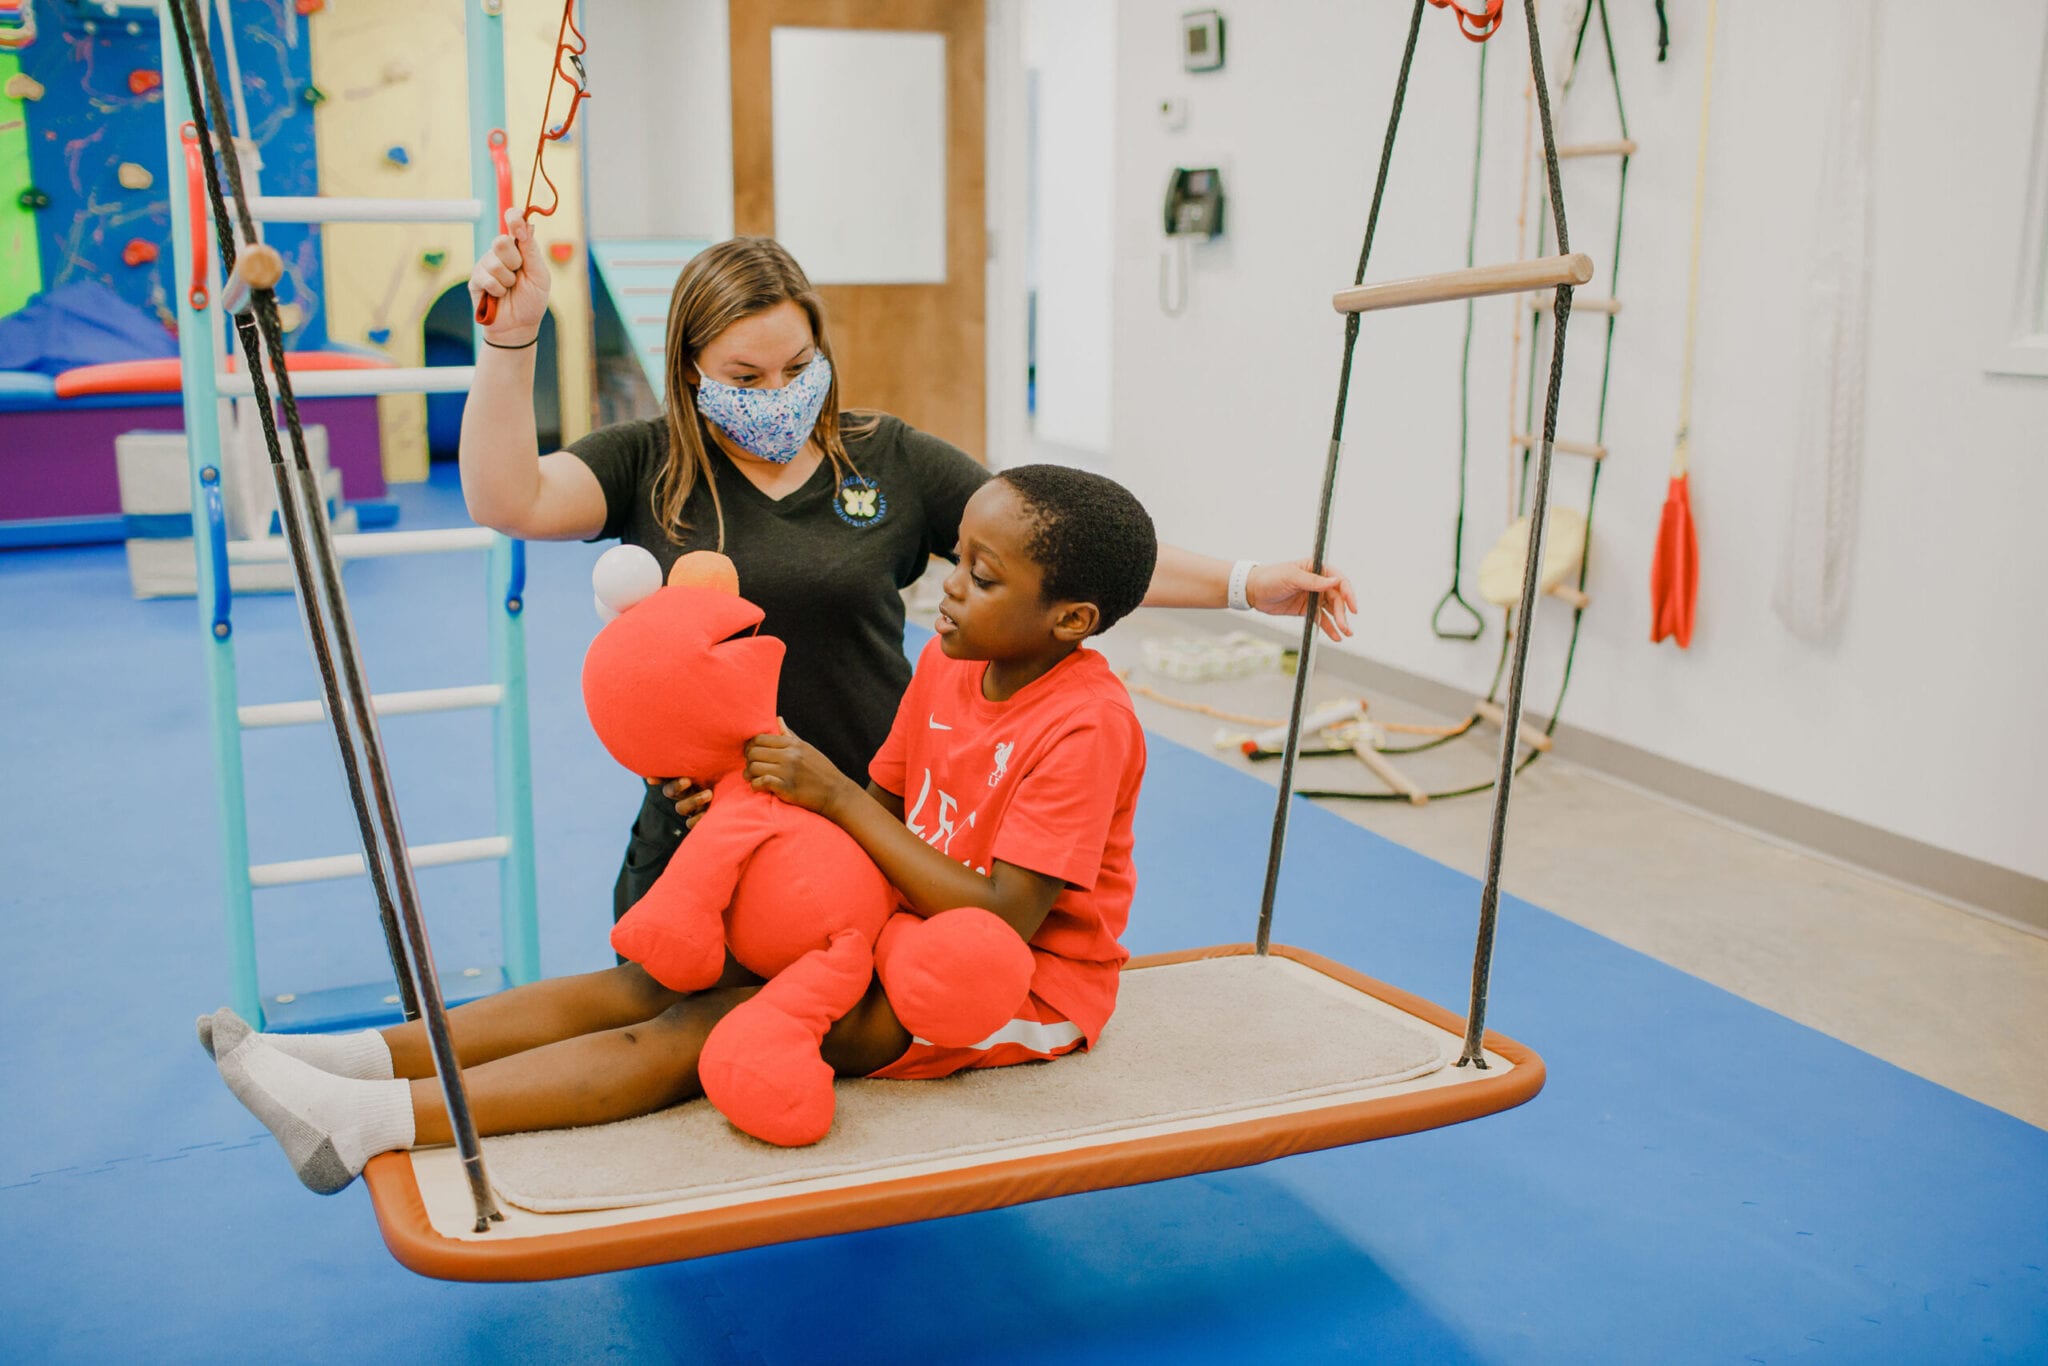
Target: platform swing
1317,1056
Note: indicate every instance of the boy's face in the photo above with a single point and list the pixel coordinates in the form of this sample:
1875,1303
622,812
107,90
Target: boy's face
994,606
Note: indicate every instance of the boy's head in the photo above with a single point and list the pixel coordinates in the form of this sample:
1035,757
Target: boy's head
1048,556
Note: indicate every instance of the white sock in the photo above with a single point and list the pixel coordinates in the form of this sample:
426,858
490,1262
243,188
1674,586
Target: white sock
328,1126
363,1054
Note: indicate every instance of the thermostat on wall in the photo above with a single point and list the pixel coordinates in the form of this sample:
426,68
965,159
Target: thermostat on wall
1201,40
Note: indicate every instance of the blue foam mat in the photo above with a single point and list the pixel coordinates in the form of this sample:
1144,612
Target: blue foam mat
1701,1180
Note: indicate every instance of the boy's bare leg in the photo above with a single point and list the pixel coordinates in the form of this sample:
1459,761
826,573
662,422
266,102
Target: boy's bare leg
533,1015
589,1078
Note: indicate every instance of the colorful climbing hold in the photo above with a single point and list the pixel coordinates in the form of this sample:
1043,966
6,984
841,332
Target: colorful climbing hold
398,156
313,95
32,198
290,316
139,252
309,6
434,260
141,82
22,86
134,177
379,335
560,252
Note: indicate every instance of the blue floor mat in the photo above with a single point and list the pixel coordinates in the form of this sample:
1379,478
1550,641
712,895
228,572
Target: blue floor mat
1701,1180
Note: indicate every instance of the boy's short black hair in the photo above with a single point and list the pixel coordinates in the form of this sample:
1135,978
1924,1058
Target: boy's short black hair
1091,537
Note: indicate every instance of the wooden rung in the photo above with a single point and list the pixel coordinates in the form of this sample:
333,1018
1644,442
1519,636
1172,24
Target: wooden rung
1387,773
1581,303
257,266
1512,277
1585,448
1619,147
1571,595
1530,735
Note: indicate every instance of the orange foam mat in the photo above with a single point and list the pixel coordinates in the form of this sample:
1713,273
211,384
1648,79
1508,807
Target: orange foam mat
423,1210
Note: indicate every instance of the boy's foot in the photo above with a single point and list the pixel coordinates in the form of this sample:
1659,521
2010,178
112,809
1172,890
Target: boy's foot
328,1126
362,1055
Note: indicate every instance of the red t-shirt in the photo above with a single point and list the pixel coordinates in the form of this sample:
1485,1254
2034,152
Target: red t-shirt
1046,781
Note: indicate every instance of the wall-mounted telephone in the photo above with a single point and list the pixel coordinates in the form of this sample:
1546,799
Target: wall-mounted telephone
1194,202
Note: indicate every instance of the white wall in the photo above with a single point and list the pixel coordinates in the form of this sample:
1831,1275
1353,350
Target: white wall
1071,45
658,125
1923,714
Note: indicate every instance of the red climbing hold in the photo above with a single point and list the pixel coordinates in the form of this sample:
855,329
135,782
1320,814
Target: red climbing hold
138,252
309,6
561,252
142,82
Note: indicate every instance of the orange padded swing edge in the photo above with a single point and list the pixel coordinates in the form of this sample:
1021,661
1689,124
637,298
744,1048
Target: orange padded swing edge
402,1214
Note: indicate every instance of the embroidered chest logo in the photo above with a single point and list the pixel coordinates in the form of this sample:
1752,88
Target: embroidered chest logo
1003,752
861,502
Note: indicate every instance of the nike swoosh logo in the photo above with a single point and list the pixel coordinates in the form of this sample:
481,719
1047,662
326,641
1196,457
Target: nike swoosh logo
939,725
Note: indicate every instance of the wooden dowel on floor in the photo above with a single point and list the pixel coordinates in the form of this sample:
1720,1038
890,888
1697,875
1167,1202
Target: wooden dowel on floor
1532,736
1563,447
1513,277
1386,772
1620,147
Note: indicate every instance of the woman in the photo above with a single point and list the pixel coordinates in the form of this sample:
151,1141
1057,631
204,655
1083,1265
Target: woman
828,516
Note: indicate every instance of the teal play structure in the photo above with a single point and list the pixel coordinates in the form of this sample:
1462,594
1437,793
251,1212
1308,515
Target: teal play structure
202,331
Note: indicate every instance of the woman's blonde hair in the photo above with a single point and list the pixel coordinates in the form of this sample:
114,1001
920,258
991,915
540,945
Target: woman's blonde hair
720,286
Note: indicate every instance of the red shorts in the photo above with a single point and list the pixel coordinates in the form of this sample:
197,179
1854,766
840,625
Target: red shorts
1038,1032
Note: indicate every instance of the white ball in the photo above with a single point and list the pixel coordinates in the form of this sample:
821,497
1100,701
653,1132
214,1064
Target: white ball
623,575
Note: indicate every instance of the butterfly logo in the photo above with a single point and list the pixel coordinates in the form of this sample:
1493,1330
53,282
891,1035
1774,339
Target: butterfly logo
860,502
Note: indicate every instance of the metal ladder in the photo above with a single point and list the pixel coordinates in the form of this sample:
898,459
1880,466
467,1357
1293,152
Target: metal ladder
206,385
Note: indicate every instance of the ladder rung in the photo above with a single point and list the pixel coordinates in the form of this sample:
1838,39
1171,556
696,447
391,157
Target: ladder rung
1581,303
262,715
1619,147
647,263
1585,448
426,379
1567,593
325,208
1474,282
651,320
368,545
351,865
648,289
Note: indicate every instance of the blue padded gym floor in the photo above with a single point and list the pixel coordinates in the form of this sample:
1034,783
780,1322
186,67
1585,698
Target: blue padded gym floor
1701,1180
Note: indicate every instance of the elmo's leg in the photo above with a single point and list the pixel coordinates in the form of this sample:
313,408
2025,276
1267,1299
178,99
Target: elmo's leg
955,978
761,1066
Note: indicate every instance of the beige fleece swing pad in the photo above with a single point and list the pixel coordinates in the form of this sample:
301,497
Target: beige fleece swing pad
1215,1058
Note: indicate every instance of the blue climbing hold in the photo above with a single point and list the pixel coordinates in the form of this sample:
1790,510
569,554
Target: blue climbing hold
379,335
398,156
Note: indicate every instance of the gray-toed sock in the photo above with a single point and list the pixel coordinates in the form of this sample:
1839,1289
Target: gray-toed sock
328,1126
362,1054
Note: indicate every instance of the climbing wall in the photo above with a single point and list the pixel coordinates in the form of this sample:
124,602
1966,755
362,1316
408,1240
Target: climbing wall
395,123
82,153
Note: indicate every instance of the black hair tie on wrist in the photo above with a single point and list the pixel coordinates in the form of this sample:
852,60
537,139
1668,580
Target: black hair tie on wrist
521,347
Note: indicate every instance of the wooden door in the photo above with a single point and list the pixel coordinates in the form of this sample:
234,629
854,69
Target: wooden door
915,350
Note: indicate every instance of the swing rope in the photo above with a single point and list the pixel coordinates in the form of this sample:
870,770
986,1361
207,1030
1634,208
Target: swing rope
324,606
1477,623
1473,1053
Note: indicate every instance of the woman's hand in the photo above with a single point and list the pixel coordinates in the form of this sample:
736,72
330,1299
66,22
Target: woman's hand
794,771
515,272
1282,590
691,801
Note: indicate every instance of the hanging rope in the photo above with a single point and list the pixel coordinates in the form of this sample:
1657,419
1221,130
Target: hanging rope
1561,308
329,630
1475,624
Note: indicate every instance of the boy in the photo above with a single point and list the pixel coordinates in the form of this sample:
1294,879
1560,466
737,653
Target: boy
1008,782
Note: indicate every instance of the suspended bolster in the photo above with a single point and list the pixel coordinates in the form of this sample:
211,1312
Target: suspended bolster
1336,1058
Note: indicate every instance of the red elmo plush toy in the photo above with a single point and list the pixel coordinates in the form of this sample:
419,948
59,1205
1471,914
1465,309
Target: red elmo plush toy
676,684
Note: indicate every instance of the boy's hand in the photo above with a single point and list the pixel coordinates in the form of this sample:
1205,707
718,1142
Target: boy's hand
795,771
691,800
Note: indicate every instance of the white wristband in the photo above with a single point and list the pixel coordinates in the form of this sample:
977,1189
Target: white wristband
1240,575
